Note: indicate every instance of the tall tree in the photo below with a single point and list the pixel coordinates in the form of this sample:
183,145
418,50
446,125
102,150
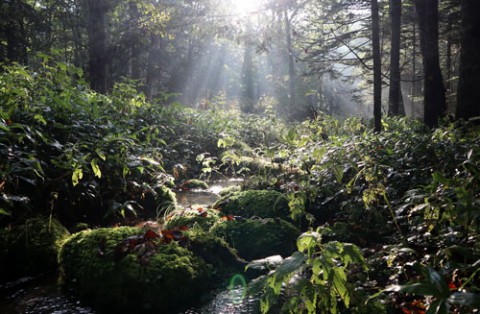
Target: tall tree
434,89
468,96
97,44
291,62
395,100
377,67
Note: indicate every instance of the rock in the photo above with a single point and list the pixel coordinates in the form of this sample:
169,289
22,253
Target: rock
194,184
204,218
31,248
264,204
258,238
157,200
128,270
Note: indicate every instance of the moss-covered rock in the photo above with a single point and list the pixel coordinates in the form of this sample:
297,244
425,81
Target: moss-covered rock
158,199
32,247
215,251
264,204
150,277
259,238
205,218
194,184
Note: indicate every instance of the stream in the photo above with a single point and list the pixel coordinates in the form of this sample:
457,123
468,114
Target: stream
43,294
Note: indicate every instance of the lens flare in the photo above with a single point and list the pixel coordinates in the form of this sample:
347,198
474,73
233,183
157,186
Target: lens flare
237,288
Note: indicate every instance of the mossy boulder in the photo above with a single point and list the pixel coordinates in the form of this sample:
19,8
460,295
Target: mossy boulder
204,218
156,277
259,238
216,251
32,247
253,203
194,184
158,199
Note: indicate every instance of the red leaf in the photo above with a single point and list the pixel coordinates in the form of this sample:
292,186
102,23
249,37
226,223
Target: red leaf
150,234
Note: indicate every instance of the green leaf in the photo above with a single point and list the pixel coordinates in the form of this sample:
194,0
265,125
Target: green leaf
77,176
40,119
101,154
352,254
340,284
290,265
308,241
96,168
439,283
4,212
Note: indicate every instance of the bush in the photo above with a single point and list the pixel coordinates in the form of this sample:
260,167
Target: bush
32,247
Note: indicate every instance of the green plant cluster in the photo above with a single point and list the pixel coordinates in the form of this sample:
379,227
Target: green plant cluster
407,195
88,157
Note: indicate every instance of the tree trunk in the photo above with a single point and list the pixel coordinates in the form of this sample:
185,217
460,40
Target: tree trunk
395,102
468,96
153,66
97,44
291,62
434,89
248,85
134,41
377,68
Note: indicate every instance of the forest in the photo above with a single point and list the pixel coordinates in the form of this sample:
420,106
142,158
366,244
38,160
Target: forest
240,156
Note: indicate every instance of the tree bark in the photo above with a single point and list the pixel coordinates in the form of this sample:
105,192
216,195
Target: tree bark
97,44
153,66
395,101
434,89
468,96
134,41
377,68
291,62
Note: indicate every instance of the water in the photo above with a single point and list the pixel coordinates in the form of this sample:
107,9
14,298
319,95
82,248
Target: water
39,295
205,197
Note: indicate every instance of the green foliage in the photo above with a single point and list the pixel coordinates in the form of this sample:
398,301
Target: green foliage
328,265
433,284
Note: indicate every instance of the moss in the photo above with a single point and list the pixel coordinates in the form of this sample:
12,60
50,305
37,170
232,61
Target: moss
171,276
205,218
216,251
251,203
157,200
259,238
195,184
32,247
229,190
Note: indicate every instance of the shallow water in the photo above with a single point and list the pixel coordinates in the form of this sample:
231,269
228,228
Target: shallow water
205,197
44,295
39,295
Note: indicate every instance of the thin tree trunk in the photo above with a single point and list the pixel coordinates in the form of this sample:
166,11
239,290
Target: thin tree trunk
134,42
97,46
153,66
395,102
468,90
434,89
377,68
291,62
